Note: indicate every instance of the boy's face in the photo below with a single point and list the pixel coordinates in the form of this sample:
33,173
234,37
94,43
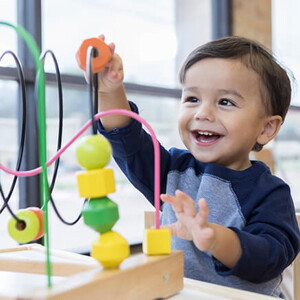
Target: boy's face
222,115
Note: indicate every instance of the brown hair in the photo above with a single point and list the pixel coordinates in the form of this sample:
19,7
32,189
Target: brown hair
275,79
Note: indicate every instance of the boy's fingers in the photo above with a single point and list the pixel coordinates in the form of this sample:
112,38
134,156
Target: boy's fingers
116,63
102,37
203,211
181,203
187,202
112,47
203,206
113,72
177,206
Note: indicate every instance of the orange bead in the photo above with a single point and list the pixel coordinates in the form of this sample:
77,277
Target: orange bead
40,214
98,62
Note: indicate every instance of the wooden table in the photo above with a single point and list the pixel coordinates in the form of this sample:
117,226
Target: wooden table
80,277
199,290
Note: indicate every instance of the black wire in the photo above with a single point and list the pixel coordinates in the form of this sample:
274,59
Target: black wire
60,132
95,80
22,136
93,86
61,218
60,112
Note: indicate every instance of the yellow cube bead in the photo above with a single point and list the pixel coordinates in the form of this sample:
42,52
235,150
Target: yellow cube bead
110,249
96,183
157,241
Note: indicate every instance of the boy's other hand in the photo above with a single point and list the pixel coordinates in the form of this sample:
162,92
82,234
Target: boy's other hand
191,224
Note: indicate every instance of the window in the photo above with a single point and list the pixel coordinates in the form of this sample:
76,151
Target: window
8,150
286,43
153,38
143,32
8,116
145,37
286,46
8,14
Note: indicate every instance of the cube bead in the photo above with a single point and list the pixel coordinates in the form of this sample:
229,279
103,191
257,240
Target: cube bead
96,183
157,241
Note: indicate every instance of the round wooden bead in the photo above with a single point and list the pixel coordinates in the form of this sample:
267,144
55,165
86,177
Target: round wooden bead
26,230
93,152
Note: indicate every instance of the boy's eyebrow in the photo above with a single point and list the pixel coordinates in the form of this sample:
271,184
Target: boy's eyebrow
232,92
190,89
222,91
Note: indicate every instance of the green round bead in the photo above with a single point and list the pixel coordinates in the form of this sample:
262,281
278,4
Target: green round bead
93,152
101,214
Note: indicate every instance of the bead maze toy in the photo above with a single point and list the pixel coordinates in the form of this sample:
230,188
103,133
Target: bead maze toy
111,272
99,212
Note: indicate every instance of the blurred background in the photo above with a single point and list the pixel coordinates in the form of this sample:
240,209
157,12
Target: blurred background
153,38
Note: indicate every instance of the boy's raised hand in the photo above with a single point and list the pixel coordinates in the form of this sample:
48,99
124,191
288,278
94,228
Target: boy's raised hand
111,90
111,78
191,224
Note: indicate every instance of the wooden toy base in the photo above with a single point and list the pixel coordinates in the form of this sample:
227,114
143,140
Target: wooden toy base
75,276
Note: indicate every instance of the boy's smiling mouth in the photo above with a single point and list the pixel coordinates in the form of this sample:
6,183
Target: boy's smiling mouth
205,137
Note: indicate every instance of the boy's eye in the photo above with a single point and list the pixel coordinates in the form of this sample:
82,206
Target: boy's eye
192,99
226,102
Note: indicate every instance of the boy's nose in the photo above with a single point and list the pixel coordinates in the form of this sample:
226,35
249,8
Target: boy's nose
205,112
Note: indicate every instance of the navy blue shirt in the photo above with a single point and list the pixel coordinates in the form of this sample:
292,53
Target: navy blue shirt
254,203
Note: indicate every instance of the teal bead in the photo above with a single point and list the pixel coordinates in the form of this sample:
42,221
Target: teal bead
101,214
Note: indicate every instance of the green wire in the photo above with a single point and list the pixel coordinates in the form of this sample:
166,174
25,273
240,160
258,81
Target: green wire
34,49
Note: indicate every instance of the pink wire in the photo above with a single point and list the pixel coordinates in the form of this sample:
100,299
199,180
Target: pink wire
82,130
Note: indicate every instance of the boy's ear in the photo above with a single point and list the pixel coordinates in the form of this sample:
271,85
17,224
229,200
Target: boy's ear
270,129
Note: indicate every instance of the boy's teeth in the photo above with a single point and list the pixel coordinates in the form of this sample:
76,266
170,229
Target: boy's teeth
204,133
